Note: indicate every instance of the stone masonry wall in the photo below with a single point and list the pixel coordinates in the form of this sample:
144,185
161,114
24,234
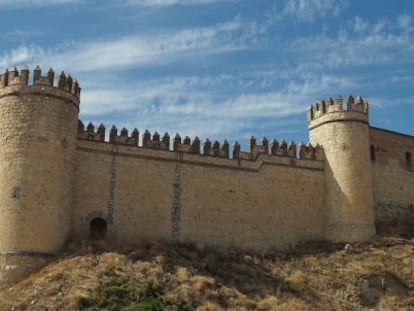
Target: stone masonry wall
393,179
57,177
343,132
147,194
37,147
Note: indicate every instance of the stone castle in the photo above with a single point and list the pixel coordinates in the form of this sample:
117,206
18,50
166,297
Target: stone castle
61,180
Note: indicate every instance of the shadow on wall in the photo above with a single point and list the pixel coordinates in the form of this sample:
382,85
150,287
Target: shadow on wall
394,218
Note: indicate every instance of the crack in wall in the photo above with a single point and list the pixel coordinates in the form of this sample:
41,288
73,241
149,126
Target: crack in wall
176,206
112,182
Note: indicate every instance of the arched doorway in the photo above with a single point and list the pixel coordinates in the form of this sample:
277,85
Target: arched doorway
97,228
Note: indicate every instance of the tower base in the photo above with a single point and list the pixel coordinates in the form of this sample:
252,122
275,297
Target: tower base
16,265
350,232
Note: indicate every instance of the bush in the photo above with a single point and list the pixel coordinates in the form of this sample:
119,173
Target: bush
118,294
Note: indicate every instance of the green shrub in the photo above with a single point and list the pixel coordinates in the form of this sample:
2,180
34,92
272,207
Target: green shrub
118,294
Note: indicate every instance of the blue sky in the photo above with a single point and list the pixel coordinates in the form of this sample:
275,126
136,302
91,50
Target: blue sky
220,68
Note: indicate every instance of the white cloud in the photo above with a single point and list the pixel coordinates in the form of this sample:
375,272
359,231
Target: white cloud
144,3
26,3
377,43
136,50
17,34
161,3
404,21
197,105
360,25
386,102
311,10
199,115
21,55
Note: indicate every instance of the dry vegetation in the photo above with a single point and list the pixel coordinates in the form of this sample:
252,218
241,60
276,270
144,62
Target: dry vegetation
315,276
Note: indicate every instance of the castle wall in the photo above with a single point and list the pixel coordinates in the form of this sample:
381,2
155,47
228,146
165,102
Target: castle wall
274,206
142,193
54,180
393,181
126,187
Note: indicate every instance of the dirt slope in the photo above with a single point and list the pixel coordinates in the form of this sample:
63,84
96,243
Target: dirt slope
377,275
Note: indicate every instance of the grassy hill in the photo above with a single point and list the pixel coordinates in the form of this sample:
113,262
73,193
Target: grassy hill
375,275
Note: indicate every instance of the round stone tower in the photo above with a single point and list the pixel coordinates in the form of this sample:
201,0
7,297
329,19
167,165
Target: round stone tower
344,135
38,126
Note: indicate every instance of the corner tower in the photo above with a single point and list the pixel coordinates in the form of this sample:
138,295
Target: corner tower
38,124
344,135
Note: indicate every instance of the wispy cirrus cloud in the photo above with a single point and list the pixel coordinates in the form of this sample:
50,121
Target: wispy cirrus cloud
136,50
18,34
386,102
405,22
29,3
162,3
360,43
21,55
142,3
307,11
310,10
196,105
196,113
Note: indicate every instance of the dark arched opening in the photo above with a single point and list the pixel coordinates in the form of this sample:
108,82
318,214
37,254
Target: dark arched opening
97,229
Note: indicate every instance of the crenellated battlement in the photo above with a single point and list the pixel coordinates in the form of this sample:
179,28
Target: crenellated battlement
327,108
195,146
14,77
128,185
291,149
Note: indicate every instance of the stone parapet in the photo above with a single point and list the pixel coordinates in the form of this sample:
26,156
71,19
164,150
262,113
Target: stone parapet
210,148
334,111
13,80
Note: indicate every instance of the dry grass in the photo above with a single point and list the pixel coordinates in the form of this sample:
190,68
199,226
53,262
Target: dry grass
376,275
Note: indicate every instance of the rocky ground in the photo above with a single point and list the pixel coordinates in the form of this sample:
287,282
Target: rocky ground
377,275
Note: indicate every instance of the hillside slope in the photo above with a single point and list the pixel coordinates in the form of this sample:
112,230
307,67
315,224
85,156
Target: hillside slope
314,276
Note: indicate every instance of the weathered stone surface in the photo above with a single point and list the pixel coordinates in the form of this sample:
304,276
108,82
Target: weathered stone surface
344,137
59,177
393,182
37,153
